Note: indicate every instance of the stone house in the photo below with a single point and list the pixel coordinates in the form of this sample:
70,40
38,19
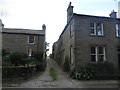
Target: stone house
88,39
24,40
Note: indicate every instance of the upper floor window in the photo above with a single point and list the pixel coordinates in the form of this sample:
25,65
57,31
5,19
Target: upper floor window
96,28
92,28
31,39
117,30
71,30
99,29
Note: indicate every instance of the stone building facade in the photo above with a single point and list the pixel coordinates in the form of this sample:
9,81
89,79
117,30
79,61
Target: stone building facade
24,40
88,39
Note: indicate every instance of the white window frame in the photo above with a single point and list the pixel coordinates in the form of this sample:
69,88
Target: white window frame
29,39
97,53
103,54
117,30
93,28
94,54
101,30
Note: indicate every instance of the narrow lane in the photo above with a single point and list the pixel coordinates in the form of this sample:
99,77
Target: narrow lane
63,81
45,81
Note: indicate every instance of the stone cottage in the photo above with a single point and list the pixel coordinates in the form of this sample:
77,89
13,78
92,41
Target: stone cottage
88,39
23,40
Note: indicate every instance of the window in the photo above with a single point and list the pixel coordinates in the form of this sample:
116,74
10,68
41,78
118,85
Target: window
71,54
92,28
71,30
31,39
101,53
93,54
98,54
96,28
99,29
117,30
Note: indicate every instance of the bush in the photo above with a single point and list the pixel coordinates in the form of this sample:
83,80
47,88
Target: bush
38,56
102,69
30,61
5,52
41,66
81,73
66,65
17,72
17,58
6,61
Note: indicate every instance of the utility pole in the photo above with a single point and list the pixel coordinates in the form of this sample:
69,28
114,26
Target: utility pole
119,9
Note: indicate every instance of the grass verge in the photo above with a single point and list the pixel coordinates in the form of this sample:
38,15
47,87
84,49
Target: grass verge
53,73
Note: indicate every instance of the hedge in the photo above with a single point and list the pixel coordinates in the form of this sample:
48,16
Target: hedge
104,70
18,72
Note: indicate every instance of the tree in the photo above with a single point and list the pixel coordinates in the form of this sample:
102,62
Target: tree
46,48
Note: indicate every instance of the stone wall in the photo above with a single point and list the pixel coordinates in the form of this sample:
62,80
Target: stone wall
19,42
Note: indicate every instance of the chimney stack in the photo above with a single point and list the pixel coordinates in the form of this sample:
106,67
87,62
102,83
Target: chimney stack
43,27
69,12
1,25
113,14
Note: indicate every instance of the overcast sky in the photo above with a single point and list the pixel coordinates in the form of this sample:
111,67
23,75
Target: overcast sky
32,14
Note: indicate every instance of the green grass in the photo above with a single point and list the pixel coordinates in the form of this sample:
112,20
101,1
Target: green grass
16,82
53,73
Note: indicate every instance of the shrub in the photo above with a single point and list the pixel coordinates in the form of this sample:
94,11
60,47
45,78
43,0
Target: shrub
6,61
66,65
41,66
102,69
81,73
5,52
38,56
17,72
17,58
30,61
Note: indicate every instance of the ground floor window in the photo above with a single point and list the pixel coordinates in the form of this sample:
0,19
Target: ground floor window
98,53
71,54
118,57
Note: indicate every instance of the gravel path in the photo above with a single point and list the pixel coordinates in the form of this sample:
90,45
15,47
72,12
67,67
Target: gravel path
45,81
63,81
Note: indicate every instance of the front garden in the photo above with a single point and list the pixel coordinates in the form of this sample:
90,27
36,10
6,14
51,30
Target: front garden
92,71
18,66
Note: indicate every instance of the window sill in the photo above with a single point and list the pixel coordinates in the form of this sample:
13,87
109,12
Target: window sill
97,35
31,43
118,36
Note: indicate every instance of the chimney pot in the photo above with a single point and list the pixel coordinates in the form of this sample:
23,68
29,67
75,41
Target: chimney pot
113,14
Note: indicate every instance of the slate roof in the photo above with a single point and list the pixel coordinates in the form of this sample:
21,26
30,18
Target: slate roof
23,31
